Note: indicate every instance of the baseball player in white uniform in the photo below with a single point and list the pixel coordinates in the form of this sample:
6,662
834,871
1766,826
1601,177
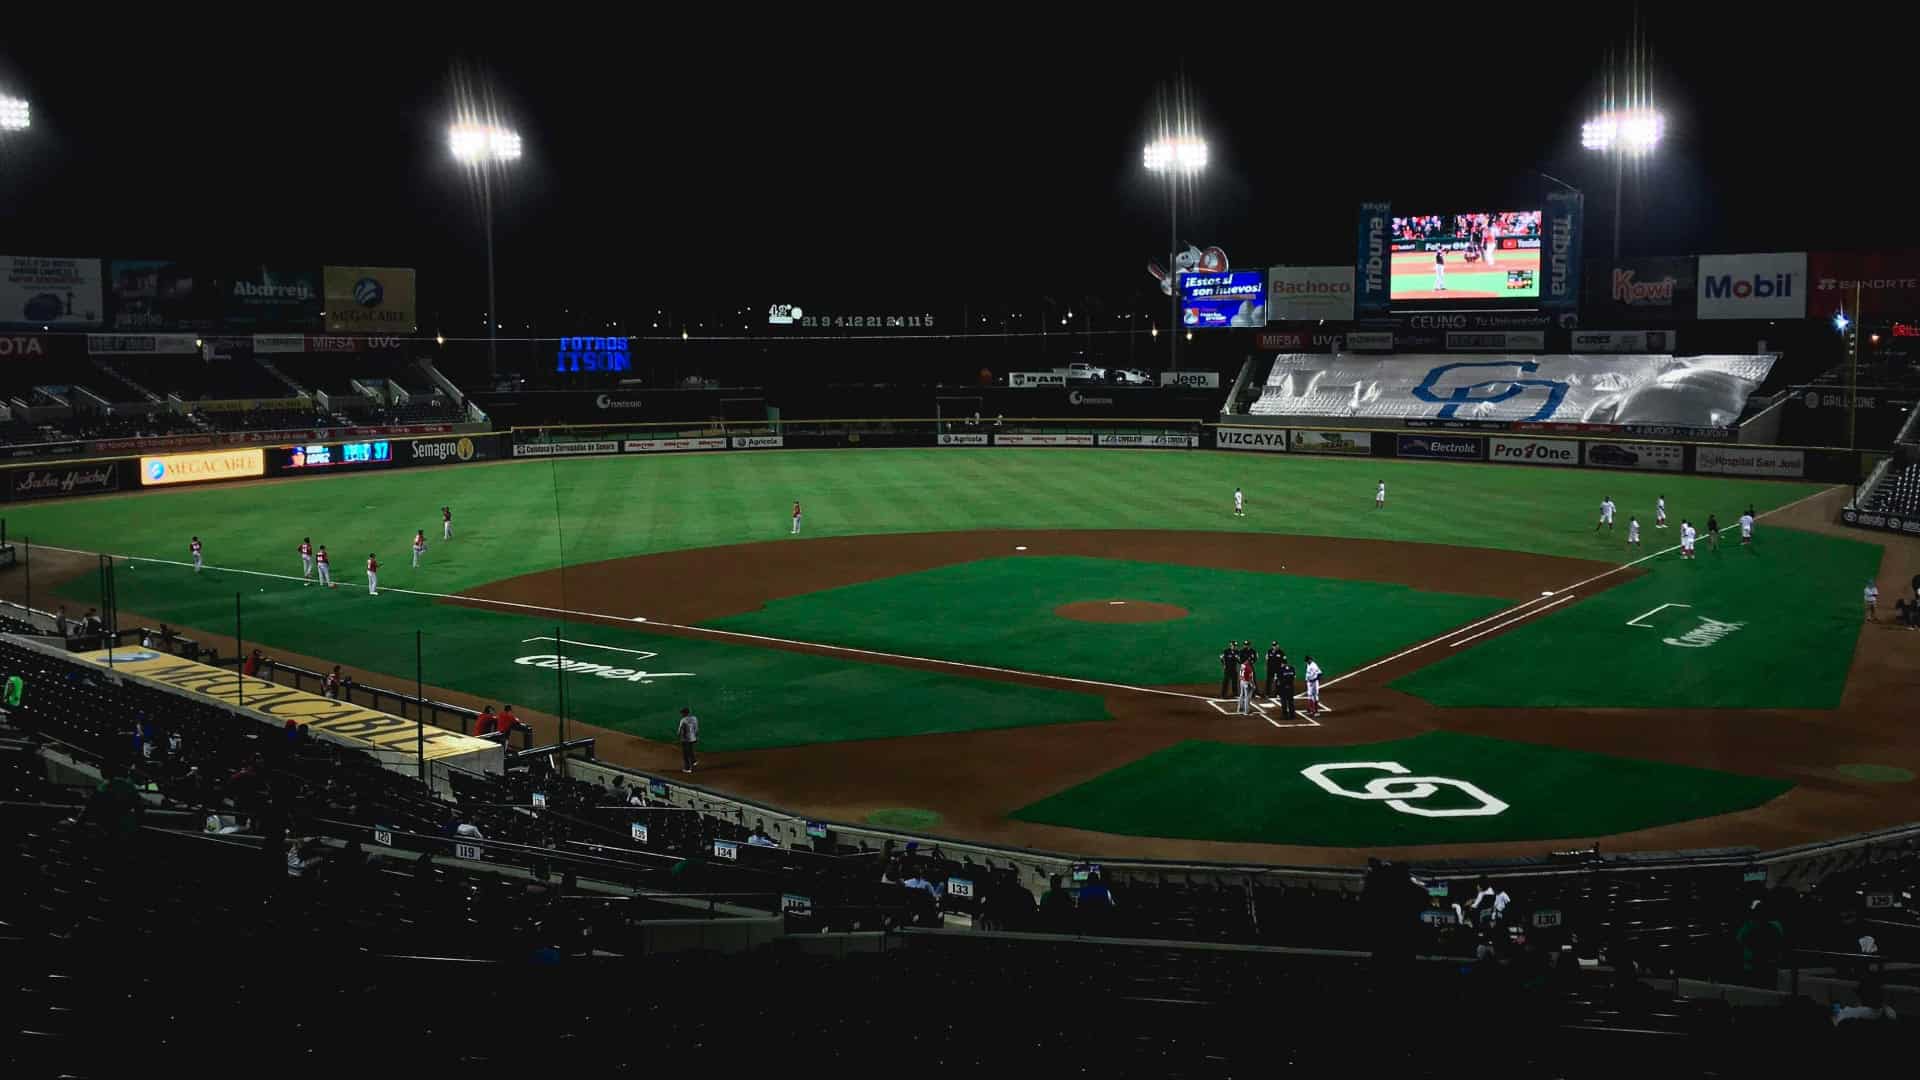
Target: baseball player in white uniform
1313,686
1873,599
1488,243
195,548
306,560
373,575
1686,539
1239,503
1633,532
419,547
446,523
1660,512
1746,527
1246,687
1439,271
796,517
1380,496
325,568
1606,514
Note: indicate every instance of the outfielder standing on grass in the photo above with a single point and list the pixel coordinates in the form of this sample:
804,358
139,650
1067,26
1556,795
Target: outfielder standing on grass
1660,512
446,523
1239,504
306,559
1633,532
1746,528
194,547
1380,496
796,517
419,547
325,568
1606,514
1713,533
373,575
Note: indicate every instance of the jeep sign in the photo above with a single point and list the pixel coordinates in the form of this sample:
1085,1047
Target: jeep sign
1195,380
1238,438
1533,451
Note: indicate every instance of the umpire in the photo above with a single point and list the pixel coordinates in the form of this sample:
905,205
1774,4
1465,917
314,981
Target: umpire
1230,671
1274,659
1286,687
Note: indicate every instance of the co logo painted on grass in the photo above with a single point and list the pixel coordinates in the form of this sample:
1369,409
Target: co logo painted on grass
1400,791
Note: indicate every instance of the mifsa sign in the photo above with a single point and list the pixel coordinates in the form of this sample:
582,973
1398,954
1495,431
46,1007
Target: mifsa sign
601,671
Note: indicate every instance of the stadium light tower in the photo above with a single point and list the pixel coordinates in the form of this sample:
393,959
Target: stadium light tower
1624,133
15,114
1179,156
481,147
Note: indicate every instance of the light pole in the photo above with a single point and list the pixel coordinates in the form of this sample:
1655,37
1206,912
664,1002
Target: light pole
1176,157
481,147
1623,133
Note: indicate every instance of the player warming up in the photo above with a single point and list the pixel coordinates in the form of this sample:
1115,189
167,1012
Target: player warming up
195,548
1687,536
1746,528
1239,503
796,518
1633,532
446,523
306,560
325,568
1660,512
1606,514
419,547
1380,496
373,575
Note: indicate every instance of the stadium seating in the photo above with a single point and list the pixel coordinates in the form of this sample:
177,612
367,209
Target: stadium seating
1898,492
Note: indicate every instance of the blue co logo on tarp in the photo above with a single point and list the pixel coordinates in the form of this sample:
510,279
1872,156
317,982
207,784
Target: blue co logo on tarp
368,293
1457,396
156,470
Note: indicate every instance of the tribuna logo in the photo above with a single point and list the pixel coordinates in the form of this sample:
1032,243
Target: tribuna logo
1628,291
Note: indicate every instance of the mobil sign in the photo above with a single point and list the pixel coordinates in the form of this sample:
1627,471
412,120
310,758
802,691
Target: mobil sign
1753,286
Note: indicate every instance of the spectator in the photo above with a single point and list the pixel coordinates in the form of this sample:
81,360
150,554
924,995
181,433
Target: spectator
61,627
334,684
759,838
467,831
1873,1006
1762,940
114,808
15,695
166,638
509,723
251,668
487,723
1056,907
1489,905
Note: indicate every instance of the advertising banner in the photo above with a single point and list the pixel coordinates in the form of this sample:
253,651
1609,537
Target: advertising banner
1333,442
1192,380
156,294
273,296
1370,295
1036,378
1698,391
1656,288
370,299
1772,286
1370,340
758,442
49,291
1043,440
1164,440
1625,341
274,344
1231,298
1652,457
1441,447
1886,284
1560,261
963,440
444,451
333,457
1298,340
1533,451
1893,523
1310,293
1740,461
1498,341
22,346
250,404
648,446
59,481
1239,438
201,468
142,345
565,449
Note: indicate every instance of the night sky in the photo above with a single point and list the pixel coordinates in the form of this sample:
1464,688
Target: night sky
909,164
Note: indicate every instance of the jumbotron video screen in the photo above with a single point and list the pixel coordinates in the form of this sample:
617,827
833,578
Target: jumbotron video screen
1482,255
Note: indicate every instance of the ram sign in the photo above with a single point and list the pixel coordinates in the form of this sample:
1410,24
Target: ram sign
1036,378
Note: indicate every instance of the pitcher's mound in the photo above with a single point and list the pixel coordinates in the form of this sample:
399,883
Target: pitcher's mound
1120,611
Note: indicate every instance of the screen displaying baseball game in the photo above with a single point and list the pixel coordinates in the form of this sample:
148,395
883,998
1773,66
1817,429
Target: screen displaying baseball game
1480,255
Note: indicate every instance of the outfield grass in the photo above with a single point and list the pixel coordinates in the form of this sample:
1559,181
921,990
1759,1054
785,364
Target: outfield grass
1215,791
512,516
1000,612
1796,596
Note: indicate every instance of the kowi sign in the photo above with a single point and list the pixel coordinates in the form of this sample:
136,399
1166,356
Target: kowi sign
1753,286
1307,293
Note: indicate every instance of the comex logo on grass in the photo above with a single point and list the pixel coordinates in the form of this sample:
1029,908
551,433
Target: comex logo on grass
601,671
1707,633
1400,791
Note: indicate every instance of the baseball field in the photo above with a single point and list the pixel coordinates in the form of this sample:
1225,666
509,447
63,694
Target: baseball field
1021,645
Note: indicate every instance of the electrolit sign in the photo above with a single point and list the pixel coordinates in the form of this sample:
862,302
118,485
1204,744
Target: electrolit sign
587,354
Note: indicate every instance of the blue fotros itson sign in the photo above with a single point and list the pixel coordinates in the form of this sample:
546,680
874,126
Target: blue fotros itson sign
578,354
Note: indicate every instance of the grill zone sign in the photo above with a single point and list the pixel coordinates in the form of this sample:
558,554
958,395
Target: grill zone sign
602,671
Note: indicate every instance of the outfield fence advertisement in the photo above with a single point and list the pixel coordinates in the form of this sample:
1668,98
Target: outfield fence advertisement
1653,457
142,344
1192,380
1739,461
1333,442
963,440
1533,451
1036,378
1063,439
59,481
1441,447
1880,284
161,470
1658,289
1893,523
757,442
1242,438
49,291
1163,439
648,446
604,446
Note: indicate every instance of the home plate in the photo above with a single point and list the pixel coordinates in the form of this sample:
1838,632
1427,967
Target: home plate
1116,603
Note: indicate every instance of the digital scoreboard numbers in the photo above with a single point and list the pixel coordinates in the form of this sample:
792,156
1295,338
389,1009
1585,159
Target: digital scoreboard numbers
324,456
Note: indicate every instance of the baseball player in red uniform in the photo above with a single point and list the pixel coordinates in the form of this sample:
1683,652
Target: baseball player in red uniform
306,559
321,564
195,548
373,575
446,523
419,547
796,517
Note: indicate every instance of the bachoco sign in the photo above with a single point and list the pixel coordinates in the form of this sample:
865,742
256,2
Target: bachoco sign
53,483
